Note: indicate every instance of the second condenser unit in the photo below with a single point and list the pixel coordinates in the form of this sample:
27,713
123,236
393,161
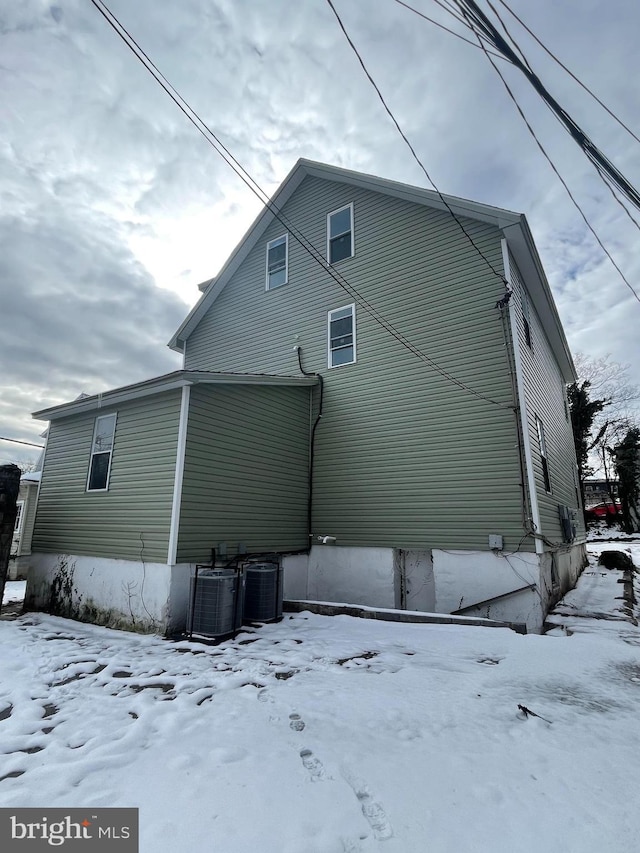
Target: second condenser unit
262,592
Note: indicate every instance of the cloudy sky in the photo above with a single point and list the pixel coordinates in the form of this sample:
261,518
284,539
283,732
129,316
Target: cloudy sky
113,208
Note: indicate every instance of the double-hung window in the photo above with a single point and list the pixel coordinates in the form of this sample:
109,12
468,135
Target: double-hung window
342,336
544,459
278,262
101,452
340,234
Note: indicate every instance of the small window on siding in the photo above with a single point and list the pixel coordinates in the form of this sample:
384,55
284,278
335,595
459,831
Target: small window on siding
101,452
544,459
342,336
526,319
340,234
17,527
278,262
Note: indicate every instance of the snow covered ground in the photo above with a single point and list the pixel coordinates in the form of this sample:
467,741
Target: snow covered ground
332,734
14,592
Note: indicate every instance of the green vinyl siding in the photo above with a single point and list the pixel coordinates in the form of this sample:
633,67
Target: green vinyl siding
404,456
246,470
545,398
131,520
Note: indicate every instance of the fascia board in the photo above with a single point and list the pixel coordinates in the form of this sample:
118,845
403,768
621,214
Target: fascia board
167,383
417,195
461,207
520,241
109,398
215,286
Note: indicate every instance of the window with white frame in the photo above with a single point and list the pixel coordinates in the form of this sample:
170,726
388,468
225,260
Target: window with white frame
101,453
342,336
17,527
278,262
544,459
340,234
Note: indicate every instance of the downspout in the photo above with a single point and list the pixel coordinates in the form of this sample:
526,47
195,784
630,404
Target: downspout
179,474
312,441
522,404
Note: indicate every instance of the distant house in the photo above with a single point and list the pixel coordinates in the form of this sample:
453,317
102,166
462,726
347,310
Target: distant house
423,460
23,529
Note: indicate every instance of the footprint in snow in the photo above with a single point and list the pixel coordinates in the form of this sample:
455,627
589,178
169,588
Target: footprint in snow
296,723
313,765
374,813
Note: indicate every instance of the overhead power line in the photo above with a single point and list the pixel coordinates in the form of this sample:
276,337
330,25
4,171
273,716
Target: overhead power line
18,441
412,149
559,176
569,72
446,29
483,25
255,188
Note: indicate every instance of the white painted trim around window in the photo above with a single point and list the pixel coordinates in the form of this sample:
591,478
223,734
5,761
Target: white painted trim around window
352,308
93,453
353,232
271,243
172,552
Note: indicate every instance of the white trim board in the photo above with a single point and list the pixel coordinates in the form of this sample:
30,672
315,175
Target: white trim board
179,474
522,402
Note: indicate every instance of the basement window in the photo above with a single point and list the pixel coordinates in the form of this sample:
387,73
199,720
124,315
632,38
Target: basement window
342,336
542,444
278,262
340,234
101,452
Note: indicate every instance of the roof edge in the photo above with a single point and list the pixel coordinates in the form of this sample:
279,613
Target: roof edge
167,382
213,287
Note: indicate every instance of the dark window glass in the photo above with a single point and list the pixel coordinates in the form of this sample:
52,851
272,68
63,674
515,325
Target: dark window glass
340,235
99,471
340,248
340,222
277,263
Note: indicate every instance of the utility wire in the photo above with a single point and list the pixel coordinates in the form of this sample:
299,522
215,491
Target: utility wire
610,186
413,151
17,441
483,25
569,72
446,29
242,173
559,176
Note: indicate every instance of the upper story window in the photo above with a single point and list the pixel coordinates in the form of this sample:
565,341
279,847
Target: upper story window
342,336
278,262
544,459
526,319
340,234
101,452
